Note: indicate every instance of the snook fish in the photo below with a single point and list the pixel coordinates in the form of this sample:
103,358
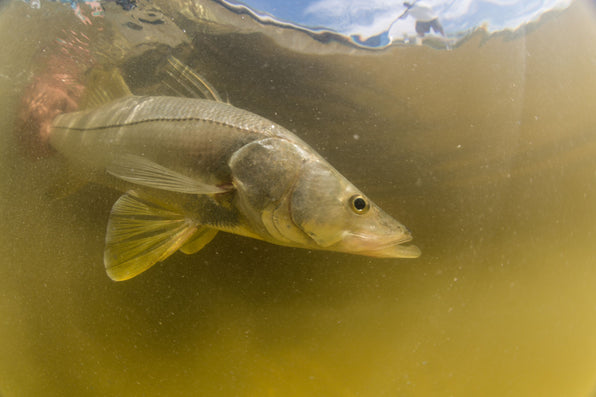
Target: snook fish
192,167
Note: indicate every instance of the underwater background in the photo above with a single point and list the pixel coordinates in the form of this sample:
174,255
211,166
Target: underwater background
484,146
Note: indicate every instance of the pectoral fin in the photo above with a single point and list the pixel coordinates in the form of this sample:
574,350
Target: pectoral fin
140,234
142,171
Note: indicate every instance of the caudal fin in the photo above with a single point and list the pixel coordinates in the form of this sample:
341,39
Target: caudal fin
43,100
56,88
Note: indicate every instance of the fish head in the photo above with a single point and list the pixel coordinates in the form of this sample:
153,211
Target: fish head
337,216
292,196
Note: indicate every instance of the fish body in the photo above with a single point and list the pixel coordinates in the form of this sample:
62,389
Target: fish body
192,167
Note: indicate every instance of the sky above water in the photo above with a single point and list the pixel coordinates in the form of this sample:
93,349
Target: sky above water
365,19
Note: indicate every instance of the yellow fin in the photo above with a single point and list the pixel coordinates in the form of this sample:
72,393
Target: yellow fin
141,233
185,82
103,86
201,238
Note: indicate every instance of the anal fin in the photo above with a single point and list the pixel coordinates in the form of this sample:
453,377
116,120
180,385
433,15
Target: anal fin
141,233
201,238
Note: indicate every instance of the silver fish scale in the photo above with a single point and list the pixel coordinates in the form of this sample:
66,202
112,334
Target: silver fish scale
137,110
195,137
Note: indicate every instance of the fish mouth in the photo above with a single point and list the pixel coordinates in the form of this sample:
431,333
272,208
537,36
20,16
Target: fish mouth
380,248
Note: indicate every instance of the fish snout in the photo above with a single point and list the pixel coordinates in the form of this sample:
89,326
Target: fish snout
402,234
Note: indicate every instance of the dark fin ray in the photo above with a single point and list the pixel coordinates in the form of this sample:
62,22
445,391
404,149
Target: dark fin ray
186,82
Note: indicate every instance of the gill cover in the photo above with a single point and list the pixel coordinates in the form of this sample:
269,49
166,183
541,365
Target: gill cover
264,174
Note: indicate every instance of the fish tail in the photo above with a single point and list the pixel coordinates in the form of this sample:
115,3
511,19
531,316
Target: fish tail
57,88
47,97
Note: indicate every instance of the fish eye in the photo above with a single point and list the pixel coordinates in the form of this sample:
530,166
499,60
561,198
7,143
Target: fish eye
359,204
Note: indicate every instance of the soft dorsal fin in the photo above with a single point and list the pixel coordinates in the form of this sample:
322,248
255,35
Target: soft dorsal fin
142,171
102,86
185,82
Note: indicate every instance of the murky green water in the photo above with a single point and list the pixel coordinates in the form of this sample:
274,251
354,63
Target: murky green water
487,152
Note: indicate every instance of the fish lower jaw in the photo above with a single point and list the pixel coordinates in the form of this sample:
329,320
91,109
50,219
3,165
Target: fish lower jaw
395,251
361,245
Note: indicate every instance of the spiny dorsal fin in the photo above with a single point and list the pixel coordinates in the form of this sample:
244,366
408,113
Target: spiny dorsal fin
185,82
103,86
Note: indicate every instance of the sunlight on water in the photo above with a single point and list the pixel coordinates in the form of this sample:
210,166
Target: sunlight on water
487,152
